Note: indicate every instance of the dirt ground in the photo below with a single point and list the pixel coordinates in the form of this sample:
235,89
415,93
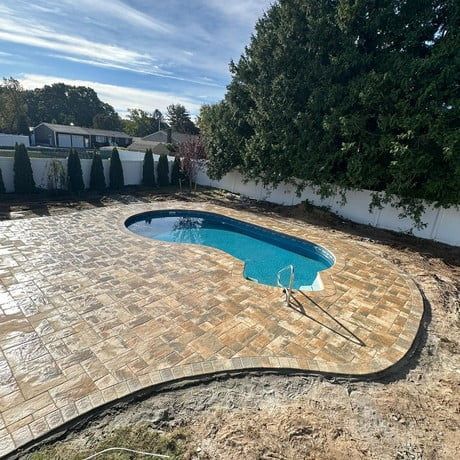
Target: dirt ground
413,414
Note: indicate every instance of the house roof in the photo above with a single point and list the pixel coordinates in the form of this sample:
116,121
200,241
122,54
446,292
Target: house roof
142,145
162,136
68,129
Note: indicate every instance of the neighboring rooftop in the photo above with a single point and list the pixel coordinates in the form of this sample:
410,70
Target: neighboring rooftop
70,129
141,145
176,137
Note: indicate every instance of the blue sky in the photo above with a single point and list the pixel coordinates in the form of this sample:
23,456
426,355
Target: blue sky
134,53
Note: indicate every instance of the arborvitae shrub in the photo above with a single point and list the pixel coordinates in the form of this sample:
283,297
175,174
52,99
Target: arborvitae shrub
75,182
184,174
2,185
23,176
97,178
175,172
148,169
117,180
163,171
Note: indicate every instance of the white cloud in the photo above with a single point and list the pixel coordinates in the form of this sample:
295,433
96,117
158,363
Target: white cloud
75,48
123,13
120,97
26,32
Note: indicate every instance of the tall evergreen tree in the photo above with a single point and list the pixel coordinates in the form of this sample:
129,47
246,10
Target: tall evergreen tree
23,175
346,94
175,171
148,169
2,184
75,182
179,119
117,181
163,171
97,178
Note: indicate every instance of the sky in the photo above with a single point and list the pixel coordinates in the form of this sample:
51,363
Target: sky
135,53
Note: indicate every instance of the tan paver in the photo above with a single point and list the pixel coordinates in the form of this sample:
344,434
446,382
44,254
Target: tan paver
90,312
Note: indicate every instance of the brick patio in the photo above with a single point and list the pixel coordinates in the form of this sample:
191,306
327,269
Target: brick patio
90,312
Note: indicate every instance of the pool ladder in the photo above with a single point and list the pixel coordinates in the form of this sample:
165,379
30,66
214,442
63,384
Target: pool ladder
286,289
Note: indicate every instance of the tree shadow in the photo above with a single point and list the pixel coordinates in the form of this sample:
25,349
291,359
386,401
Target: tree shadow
342,330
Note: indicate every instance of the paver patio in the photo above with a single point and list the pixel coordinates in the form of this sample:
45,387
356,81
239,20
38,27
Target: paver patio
90,312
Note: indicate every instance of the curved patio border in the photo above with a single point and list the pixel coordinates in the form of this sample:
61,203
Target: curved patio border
392,356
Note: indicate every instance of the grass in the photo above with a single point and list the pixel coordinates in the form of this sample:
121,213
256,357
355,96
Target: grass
138,437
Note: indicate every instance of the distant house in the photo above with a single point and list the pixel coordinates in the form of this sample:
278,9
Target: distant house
65,136
141,145
169,136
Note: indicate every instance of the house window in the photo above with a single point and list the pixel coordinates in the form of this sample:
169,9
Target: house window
101,139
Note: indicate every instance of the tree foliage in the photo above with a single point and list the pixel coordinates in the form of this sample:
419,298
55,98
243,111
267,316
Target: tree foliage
141,123
109,120
176,171
75,182
13,108
347,94
148,169
163,171
179,119
23,175
117,181
65,104
193,155
97,177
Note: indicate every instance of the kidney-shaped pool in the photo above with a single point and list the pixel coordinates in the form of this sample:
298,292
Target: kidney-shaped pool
265,253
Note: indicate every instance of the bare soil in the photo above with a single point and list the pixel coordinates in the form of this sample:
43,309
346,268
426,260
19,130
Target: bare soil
413,414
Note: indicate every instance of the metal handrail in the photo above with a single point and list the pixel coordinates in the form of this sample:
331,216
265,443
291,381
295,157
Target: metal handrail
288,289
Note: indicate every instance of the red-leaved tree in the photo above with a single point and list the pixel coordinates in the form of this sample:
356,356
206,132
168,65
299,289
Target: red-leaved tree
193,156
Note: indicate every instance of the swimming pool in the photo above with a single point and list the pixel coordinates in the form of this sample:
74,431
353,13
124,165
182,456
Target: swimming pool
264,252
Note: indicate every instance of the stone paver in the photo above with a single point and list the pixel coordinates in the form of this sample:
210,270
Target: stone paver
90,312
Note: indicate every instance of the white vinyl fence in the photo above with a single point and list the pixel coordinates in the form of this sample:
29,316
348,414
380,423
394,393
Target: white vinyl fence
443,225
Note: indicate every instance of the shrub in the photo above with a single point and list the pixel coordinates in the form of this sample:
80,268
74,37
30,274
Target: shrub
184,175
56,176
117,180
97,178
193,157
163,171
175,172
2,185
75,182
23,175
148,169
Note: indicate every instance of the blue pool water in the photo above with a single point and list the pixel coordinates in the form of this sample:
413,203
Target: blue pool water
263,251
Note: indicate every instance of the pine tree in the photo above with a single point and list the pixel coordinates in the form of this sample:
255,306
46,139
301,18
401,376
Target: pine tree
23,175
2,185
148,169
163,171
97,178
117,180
75,182
175,172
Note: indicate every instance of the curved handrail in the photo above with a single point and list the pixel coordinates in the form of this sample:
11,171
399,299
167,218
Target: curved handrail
291,281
